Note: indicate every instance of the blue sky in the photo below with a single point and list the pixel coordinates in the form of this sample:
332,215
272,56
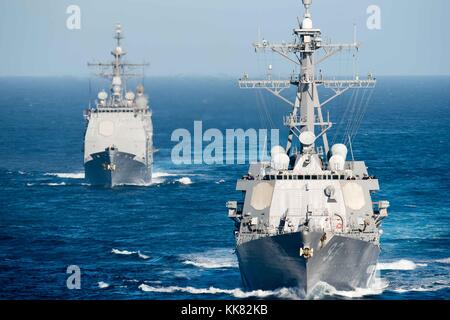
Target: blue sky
213,37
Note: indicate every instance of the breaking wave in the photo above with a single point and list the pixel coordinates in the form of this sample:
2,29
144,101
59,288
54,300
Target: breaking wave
445,260
184,180
213,259
129,253
402,264
76,175
320,291
103,285
237,293
323,289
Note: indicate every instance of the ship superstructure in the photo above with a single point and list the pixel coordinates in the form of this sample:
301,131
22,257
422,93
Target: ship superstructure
118,144
307,215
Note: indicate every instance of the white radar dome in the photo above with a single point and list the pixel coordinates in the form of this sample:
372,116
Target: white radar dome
129,95
279,161
307,138
337,163
307,23
102,95
340,150
277,149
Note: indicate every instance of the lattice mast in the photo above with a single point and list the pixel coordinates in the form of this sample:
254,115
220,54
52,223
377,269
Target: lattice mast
306,112
118,71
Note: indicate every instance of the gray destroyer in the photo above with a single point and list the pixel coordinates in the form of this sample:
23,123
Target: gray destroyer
118,143
307,216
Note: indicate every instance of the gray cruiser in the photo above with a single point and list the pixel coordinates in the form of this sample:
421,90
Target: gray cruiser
118,143
307,216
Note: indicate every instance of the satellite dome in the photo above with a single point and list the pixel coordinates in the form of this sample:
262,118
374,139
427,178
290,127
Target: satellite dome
140,89
279,161
102,95
129,95
307,23
307,138
339,149
277,149
337,163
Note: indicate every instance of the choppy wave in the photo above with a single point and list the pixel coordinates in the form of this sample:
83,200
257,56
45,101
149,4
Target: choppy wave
238,293
323,289
320,291
103,285
129,253
445,260
75,175
123,252
184,180
213,259
402,264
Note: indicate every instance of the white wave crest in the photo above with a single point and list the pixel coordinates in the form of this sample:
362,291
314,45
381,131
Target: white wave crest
129,253
143,256
319,291
54,184
322,289
220,181
402,264
123,252
103,285
445,260
213,259
75,175
238,293
185,180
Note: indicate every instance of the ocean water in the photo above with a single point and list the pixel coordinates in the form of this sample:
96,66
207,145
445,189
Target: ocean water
173,240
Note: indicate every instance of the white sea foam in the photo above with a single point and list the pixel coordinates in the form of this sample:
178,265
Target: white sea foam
143,256
103,285
75,175
445,260
320,291
54,184
238,293
185,180
220,181
129,253
213,259
402,264
123,252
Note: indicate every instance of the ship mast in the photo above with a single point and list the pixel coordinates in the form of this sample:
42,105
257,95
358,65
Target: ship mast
119,69
306,112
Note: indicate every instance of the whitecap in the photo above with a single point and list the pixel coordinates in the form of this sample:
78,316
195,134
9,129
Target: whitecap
103,285
445,260
74,175
185,180
54,184
123,252
143,256
238,293
220,181
377,287
212,259
402,264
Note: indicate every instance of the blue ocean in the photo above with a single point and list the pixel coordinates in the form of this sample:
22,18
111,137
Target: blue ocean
173,239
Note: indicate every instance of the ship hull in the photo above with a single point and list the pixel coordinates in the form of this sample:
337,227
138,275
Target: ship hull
274,262
112,168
